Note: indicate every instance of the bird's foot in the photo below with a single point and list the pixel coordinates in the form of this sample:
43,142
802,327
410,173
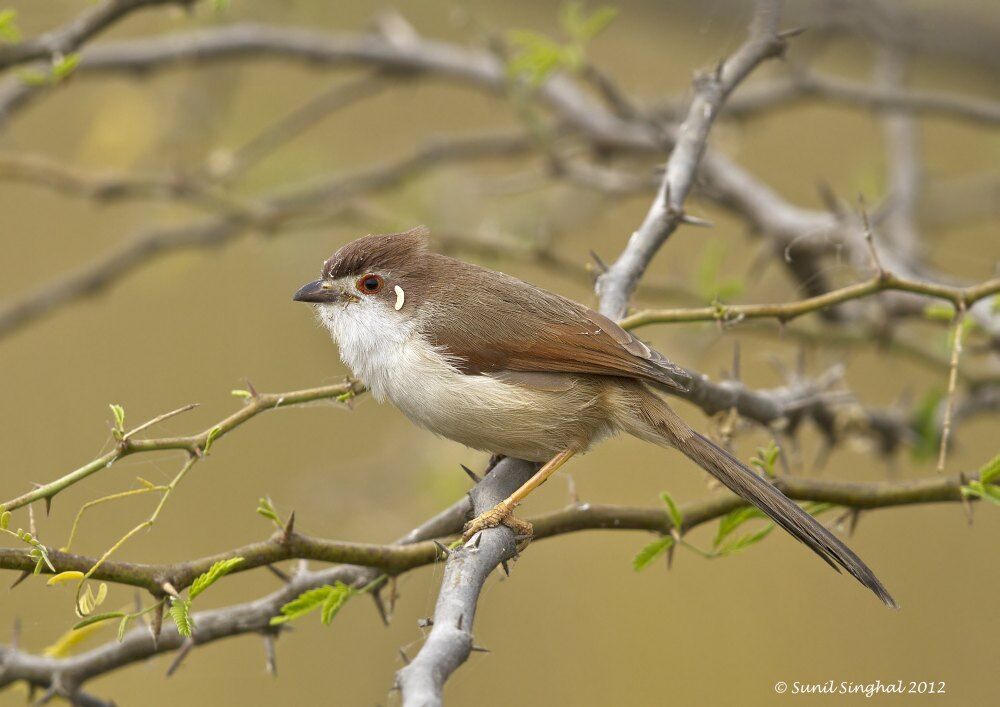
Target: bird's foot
500,514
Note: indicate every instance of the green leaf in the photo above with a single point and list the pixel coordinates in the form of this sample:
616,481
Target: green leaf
582,27
180,612
123,626
766,458
215,573
734,519
302,604
65,66
940,312
745,541
650,552
212,435
988,472
98,618
676,517
4,520
9,31
239,393
334,601
119,412
711,287
925,426
265,509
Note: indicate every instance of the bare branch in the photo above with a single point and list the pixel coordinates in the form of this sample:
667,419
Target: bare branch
615,286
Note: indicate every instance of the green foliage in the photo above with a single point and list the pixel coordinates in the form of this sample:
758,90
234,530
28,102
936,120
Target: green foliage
676,517
216,572
212,435
334,601
59,70
939,312
123,626
710,285
9,32
265,509
925,425
985,486
328,597
38,552
98,618
180,612
240,393
119,413
87,600
537,56
650,552
766,458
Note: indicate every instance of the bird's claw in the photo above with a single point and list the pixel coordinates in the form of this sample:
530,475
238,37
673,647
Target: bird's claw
500,514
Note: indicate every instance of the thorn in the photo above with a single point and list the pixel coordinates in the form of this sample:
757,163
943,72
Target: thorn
289,528
170,589
156,623
574,497
601,265
253,391
966,501
182,653
442,548
670,555
406,658
696,221
280,574
270,654
471,474
393,595
477,540
380,606
425,622
852,521
479,649
506,567
789,33
458,624
48,505
23,576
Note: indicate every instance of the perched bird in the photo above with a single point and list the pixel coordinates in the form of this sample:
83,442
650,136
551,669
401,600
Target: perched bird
503,366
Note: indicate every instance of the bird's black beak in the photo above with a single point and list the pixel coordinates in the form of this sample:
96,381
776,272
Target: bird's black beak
318,291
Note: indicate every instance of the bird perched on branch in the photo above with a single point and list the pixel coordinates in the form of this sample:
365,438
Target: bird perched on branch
503,366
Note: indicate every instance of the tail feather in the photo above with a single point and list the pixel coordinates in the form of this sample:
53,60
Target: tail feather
761,493
654,420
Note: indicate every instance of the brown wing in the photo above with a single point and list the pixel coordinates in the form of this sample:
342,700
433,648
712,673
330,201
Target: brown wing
547,333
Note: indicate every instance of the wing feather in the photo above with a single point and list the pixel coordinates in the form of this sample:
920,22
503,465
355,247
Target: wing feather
548,334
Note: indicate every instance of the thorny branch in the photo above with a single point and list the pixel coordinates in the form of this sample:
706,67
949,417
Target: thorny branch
615,286
416,549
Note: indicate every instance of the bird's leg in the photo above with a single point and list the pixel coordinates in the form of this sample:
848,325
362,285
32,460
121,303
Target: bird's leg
500,514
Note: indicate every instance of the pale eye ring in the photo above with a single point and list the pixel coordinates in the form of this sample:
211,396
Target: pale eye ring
370,284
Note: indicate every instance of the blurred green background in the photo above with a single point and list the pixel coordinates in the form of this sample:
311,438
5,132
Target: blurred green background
574,623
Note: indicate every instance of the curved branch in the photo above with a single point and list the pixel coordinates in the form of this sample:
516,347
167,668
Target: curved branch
452,641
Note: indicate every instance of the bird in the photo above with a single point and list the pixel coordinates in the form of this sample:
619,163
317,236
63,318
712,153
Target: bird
500,365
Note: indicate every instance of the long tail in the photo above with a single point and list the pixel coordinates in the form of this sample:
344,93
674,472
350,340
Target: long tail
758,491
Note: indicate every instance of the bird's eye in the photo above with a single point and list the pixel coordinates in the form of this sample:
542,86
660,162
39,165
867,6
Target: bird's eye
369,284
